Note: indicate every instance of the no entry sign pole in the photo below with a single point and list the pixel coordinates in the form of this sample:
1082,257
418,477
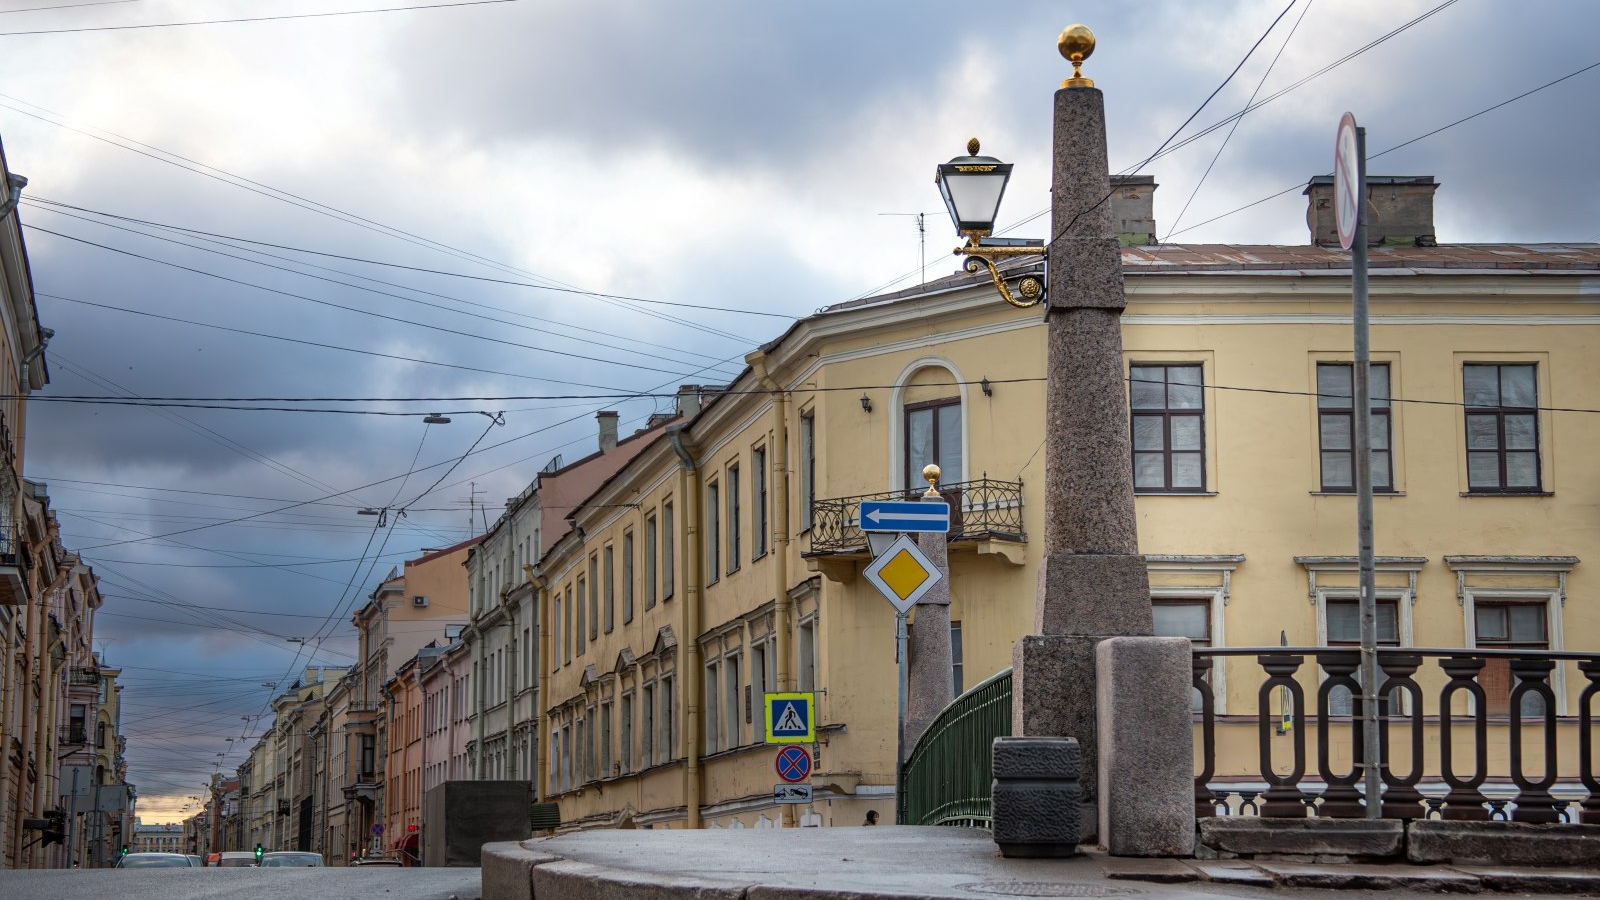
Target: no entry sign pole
1350,189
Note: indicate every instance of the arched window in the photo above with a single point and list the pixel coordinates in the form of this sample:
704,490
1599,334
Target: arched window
931,426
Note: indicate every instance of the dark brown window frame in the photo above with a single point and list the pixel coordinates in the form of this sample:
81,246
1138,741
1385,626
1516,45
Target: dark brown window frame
1167,414
1381,414
914,480
1499,413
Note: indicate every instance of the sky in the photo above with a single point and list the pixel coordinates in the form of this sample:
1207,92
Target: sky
553,207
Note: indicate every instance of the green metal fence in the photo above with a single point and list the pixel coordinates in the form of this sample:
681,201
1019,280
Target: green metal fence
949,777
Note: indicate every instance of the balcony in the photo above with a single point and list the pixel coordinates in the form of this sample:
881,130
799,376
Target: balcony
985,517
73,735
13,566
84,678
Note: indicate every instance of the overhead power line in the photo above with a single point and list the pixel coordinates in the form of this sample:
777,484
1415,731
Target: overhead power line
320,15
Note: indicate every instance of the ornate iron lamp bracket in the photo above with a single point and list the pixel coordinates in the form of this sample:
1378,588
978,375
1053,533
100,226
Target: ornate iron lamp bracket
980,256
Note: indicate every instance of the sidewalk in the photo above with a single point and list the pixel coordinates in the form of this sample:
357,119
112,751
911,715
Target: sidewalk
902,863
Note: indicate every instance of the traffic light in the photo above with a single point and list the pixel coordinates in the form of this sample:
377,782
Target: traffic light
259,853
124,851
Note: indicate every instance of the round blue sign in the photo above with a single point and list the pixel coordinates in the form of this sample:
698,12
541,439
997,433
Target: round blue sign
794,764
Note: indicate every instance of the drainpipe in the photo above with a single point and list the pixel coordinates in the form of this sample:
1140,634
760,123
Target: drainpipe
689,674
541,762
778,485
11,194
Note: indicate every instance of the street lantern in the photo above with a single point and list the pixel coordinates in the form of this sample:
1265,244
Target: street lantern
972,187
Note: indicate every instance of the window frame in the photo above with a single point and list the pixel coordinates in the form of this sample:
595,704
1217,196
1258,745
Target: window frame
915,484
713,509
608,570
1552,600
652,532
669,566
1499,413
1166,413
760,526
1383,414
807,439
731,500
627,576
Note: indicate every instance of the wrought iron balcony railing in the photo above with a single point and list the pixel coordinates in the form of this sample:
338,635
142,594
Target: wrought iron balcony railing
981,509
84,678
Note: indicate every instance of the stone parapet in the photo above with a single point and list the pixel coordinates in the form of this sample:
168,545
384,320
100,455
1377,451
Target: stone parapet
1368,839
1502,843
1146,730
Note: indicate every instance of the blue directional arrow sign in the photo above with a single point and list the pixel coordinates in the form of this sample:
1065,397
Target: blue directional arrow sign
904,515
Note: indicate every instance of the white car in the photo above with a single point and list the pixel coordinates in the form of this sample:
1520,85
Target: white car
154,861
290,859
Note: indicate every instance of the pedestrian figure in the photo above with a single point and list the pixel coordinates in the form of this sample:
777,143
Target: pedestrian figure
872,817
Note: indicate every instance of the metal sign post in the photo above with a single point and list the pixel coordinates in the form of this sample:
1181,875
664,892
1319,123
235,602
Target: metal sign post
1350,189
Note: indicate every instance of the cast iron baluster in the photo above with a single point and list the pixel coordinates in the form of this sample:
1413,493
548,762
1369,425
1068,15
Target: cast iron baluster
1283,798
1534,803
1465,800
1401,799
1247,803
1586,773
1342,799
1205,799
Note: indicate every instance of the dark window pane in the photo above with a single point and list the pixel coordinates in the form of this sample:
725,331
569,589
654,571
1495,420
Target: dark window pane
1147,433
1483,433
1517,386
1344,622
1491,623
1481,385
1186,432
1149,470
1336,471
1146,387
1483,470
1527,622
949,443
1378,386
1187,470
1333,385
1336,432
1522,432
1190,620
1380,432
1185,396
1522,470
1381,476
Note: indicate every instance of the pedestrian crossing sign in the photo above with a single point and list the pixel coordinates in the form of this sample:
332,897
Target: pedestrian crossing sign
791,718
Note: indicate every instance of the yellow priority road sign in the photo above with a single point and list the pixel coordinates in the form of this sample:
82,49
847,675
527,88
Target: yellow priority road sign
902,574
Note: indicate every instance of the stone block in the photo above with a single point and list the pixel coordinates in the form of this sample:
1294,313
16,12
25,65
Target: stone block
1080,183
1052,695
1359,838
1225,872
1435,880
569,880
1093,594
1155,871
1036,797
1501,843
508,870
1531,880
1092,276
1146,729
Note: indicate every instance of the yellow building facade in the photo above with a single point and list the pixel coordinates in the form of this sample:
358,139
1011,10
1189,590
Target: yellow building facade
722,561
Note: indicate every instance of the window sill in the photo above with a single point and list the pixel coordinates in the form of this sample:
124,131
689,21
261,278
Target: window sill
1508,493
1353,493
1150,493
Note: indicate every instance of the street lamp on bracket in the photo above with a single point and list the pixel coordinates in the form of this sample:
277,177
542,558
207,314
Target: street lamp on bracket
972,187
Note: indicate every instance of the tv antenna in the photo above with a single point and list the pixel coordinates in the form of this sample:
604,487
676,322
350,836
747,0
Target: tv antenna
922,242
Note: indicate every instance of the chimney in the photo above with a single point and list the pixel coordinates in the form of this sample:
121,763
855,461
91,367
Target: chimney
1399,211
1132,209
608,429
656,420
688,400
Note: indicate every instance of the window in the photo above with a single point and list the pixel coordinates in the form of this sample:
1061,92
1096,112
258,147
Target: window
713,533
650,563
1502,413
668,554
713,710
808,468
1185,618
807,674
1336,431
647,727
566,756
581,603
1168,417
956,666
933,435
627,577
760,682
1344,630
625,732
1503,625
730,697
555,759
758,493
594,596
611,589
527,659
566,648
605,740
733,518
668,716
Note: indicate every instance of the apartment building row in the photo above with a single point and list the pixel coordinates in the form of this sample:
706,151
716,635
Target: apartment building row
623,617
64,796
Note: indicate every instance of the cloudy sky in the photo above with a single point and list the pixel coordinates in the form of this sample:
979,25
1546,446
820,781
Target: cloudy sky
478,202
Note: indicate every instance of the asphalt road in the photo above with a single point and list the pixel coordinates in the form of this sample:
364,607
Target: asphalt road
370,883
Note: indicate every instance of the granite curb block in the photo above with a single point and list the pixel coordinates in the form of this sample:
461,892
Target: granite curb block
570,880
508,870
1501,843
1361,838
1436,879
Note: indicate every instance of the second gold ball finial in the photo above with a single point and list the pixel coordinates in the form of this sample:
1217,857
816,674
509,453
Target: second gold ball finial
931,473
1076,44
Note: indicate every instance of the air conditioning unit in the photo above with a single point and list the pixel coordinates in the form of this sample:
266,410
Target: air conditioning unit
419,601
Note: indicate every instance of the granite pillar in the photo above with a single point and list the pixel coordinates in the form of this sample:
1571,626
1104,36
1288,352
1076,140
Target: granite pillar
1093,583
1146,742
930,680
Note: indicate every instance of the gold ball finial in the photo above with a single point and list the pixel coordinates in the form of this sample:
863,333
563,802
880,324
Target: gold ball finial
1076,44
931,473
972,147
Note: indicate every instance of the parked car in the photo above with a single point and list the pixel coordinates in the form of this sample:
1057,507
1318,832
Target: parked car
237,859
377,861
196,861
154,861
290,858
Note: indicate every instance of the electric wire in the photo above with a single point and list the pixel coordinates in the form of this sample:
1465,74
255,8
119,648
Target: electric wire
277,18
